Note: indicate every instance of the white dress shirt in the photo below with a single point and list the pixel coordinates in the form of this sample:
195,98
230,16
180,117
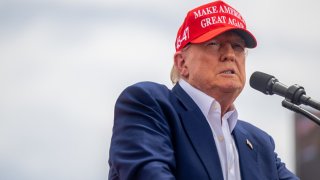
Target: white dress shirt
221,130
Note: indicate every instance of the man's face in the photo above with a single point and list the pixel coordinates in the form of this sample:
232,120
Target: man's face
216,66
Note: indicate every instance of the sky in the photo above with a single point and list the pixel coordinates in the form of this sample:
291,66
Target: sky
63,64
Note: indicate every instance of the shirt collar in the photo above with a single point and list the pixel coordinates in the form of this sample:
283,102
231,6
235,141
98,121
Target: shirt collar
205,103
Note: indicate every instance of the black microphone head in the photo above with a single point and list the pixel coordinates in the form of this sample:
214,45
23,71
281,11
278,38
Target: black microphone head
262,82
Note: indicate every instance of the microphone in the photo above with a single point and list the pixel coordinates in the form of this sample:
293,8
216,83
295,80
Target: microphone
269,85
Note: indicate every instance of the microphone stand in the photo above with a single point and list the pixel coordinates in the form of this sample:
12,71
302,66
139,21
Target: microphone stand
289,105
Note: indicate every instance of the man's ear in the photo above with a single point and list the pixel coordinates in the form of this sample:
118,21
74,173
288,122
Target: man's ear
180,64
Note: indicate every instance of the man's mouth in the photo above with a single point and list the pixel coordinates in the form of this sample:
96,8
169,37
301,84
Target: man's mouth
228,72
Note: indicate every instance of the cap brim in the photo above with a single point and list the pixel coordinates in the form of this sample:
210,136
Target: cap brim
246,35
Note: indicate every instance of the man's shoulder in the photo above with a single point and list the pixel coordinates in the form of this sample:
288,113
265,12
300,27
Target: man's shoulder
146,89
148,86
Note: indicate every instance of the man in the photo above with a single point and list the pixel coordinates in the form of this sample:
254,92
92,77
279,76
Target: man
193,131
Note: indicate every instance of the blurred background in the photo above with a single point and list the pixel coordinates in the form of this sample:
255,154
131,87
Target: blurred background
64,62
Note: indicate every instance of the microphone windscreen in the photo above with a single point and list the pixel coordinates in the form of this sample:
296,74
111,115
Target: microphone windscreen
260,81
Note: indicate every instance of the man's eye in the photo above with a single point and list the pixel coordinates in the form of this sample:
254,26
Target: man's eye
213,43
238,46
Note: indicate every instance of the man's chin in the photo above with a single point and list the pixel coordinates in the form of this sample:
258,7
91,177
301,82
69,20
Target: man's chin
232,88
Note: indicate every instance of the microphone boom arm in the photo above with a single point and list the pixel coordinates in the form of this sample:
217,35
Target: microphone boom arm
295,95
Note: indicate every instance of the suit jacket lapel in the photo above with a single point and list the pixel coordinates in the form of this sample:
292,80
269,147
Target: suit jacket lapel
199,132
248,156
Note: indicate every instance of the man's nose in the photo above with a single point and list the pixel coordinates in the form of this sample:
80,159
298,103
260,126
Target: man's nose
227,52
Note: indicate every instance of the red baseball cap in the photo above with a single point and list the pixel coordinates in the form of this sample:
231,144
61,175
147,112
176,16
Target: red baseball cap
210,20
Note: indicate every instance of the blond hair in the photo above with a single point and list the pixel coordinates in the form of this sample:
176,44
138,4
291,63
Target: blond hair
174,75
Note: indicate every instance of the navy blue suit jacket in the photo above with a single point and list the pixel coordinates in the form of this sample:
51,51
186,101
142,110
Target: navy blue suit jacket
162,134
